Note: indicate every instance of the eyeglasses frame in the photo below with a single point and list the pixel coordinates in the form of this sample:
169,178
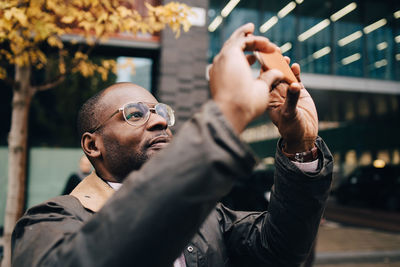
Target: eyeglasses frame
152,110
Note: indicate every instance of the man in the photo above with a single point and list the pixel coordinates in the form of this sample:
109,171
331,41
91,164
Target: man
166,210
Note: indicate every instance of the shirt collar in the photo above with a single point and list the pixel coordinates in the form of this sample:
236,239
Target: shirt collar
93,192
115,186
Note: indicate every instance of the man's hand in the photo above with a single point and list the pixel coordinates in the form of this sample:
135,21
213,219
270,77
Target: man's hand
292,110
241,97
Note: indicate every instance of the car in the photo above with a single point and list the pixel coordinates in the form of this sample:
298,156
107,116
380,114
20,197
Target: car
371,187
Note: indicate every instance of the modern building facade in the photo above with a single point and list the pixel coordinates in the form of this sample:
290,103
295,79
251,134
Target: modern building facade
349,52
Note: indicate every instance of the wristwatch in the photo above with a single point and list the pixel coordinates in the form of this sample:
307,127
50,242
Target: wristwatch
306,156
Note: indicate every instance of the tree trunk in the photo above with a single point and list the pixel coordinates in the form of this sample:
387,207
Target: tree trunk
17,154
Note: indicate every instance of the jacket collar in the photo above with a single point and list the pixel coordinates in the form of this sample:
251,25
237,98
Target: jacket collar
92,192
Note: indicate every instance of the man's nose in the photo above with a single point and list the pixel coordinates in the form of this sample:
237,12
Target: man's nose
156,122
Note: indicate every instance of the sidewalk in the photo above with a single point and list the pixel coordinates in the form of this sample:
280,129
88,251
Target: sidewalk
353,246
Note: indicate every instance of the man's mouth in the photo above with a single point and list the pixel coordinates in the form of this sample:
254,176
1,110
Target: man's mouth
159,142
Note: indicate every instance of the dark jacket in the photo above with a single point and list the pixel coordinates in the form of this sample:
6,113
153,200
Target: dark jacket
169,206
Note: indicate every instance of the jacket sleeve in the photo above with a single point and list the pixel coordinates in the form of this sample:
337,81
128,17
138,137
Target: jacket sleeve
154,214
284,235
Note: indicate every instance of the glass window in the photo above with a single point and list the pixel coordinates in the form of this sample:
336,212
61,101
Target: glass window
238,17
340,37
348,42
379,49
135,70
283,33
315,50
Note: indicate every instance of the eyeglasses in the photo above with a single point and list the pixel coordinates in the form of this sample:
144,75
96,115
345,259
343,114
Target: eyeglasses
137,114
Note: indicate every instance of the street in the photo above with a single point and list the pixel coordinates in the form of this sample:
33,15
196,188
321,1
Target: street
355,237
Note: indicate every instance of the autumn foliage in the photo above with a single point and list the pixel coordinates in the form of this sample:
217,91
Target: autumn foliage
25,24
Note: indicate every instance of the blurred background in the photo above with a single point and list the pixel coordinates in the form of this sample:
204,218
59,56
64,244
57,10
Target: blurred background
349,52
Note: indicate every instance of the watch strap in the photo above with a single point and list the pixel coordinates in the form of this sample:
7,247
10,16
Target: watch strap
306,156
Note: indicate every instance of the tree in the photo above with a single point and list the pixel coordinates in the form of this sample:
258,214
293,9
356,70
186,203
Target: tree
31,28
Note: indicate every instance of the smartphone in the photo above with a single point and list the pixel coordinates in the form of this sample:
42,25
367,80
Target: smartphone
275,60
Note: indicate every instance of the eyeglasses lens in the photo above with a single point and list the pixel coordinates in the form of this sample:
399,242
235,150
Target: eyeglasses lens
136,113
166,112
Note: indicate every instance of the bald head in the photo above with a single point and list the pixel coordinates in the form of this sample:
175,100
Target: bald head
120,93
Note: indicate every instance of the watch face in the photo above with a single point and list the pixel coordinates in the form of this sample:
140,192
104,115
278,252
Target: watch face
299,157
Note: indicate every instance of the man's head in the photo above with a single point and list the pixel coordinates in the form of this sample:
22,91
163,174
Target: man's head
114,146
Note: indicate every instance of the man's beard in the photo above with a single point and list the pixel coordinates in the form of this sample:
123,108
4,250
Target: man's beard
121,160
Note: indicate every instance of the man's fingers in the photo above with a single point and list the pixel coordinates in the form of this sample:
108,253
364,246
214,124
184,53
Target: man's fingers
287,59
257,43
271,77
296,70
242,31
292,97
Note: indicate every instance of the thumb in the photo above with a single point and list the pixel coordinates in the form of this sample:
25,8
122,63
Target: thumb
292,97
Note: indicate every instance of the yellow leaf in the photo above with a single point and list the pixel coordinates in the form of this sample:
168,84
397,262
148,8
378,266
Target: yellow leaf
67,19
99,29
124,12
22,59
41,56
102,17
61,68
8,14
80,55
3,73
90,40
85,25
39,65
55,41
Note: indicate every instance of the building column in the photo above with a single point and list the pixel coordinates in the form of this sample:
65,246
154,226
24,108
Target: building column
183,61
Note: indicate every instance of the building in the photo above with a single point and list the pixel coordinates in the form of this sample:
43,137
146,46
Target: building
349,52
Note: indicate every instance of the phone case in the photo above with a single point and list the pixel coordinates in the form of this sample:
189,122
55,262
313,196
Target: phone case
275,60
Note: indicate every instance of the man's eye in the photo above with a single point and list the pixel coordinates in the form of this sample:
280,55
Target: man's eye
134,115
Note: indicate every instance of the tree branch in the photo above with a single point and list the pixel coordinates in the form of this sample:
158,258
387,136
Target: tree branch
61,78
49,85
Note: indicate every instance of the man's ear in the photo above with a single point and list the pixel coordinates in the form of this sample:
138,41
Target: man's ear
90,143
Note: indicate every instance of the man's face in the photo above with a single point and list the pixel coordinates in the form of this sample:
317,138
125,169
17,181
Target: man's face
127,147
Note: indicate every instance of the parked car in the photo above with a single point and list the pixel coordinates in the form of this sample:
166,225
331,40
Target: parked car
371,187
